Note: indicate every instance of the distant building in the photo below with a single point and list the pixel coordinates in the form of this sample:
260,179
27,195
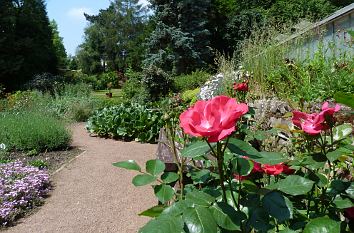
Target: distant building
331,34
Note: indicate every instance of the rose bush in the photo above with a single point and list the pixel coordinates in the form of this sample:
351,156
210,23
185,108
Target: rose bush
235,187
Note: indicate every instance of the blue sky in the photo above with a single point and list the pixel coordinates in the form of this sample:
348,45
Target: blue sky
69,14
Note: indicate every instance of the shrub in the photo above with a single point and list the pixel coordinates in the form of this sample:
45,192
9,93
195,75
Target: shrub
45,82
191,96
22,187
128,122
156,82
25,131
133,89
190,81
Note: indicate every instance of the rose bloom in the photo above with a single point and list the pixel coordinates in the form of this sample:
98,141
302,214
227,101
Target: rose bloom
349,213
214,119
257,168
241,86
277,169
315,123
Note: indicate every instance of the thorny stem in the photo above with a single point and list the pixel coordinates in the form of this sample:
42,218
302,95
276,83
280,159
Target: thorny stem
179,165
220,158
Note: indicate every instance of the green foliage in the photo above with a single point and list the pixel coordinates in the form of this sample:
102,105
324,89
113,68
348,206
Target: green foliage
114,39
190,96
26,131
157,82
133,89
191,81
58,44
38,163
128,122
26,45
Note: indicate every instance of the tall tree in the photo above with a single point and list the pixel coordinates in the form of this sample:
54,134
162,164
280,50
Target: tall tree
58,44
180,42
121,28
28,46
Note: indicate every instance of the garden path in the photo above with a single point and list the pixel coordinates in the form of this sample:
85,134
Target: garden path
90,194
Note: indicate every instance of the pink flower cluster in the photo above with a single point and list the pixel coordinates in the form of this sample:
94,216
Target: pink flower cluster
214,119
20,187
315,123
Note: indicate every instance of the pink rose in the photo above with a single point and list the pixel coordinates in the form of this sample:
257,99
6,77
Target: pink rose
315,123
214,119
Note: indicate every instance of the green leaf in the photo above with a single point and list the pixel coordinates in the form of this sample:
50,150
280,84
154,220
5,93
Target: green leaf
334,155
242,166
322,225
278,206
343,203
345,98
153,211
295,185
177,208
271,158
164,193
342,131
141,180
200,198
226,216
199,220
259,219
130,165
287,230
350,190
169,177
155,167
195,149
164,224
242,148
201,176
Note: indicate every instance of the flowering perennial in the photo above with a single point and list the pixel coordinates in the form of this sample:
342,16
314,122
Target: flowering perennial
214,119
21,187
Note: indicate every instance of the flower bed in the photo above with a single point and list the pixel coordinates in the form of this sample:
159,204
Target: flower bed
21,188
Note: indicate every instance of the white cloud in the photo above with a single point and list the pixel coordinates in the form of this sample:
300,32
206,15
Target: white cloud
77,13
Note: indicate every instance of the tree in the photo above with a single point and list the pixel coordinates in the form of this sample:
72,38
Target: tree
115,36
59,45
26,43
172,45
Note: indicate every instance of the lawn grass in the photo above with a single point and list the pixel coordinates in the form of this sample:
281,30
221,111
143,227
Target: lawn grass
116,94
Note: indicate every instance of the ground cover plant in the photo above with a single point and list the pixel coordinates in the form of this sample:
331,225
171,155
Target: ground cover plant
235,185
129,121
22,187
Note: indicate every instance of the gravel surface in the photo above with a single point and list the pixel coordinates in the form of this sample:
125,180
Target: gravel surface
90,195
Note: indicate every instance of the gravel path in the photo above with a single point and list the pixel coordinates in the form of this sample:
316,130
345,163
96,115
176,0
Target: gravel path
90,194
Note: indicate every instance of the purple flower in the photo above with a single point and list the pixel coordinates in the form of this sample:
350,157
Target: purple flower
21,187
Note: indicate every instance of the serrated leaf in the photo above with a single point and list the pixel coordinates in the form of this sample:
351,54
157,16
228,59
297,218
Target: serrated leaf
153,211
200,198
195,149
345,98
144,179
295,185
242,148
342,131
278,206
164,224
322,225
350,190
130,165
169,177
177,208
271,158
164,192
199,220
343,203
242,166
226,216
334,155
155,167
201,176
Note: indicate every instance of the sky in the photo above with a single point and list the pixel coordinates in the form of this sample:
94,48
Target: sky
69,15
